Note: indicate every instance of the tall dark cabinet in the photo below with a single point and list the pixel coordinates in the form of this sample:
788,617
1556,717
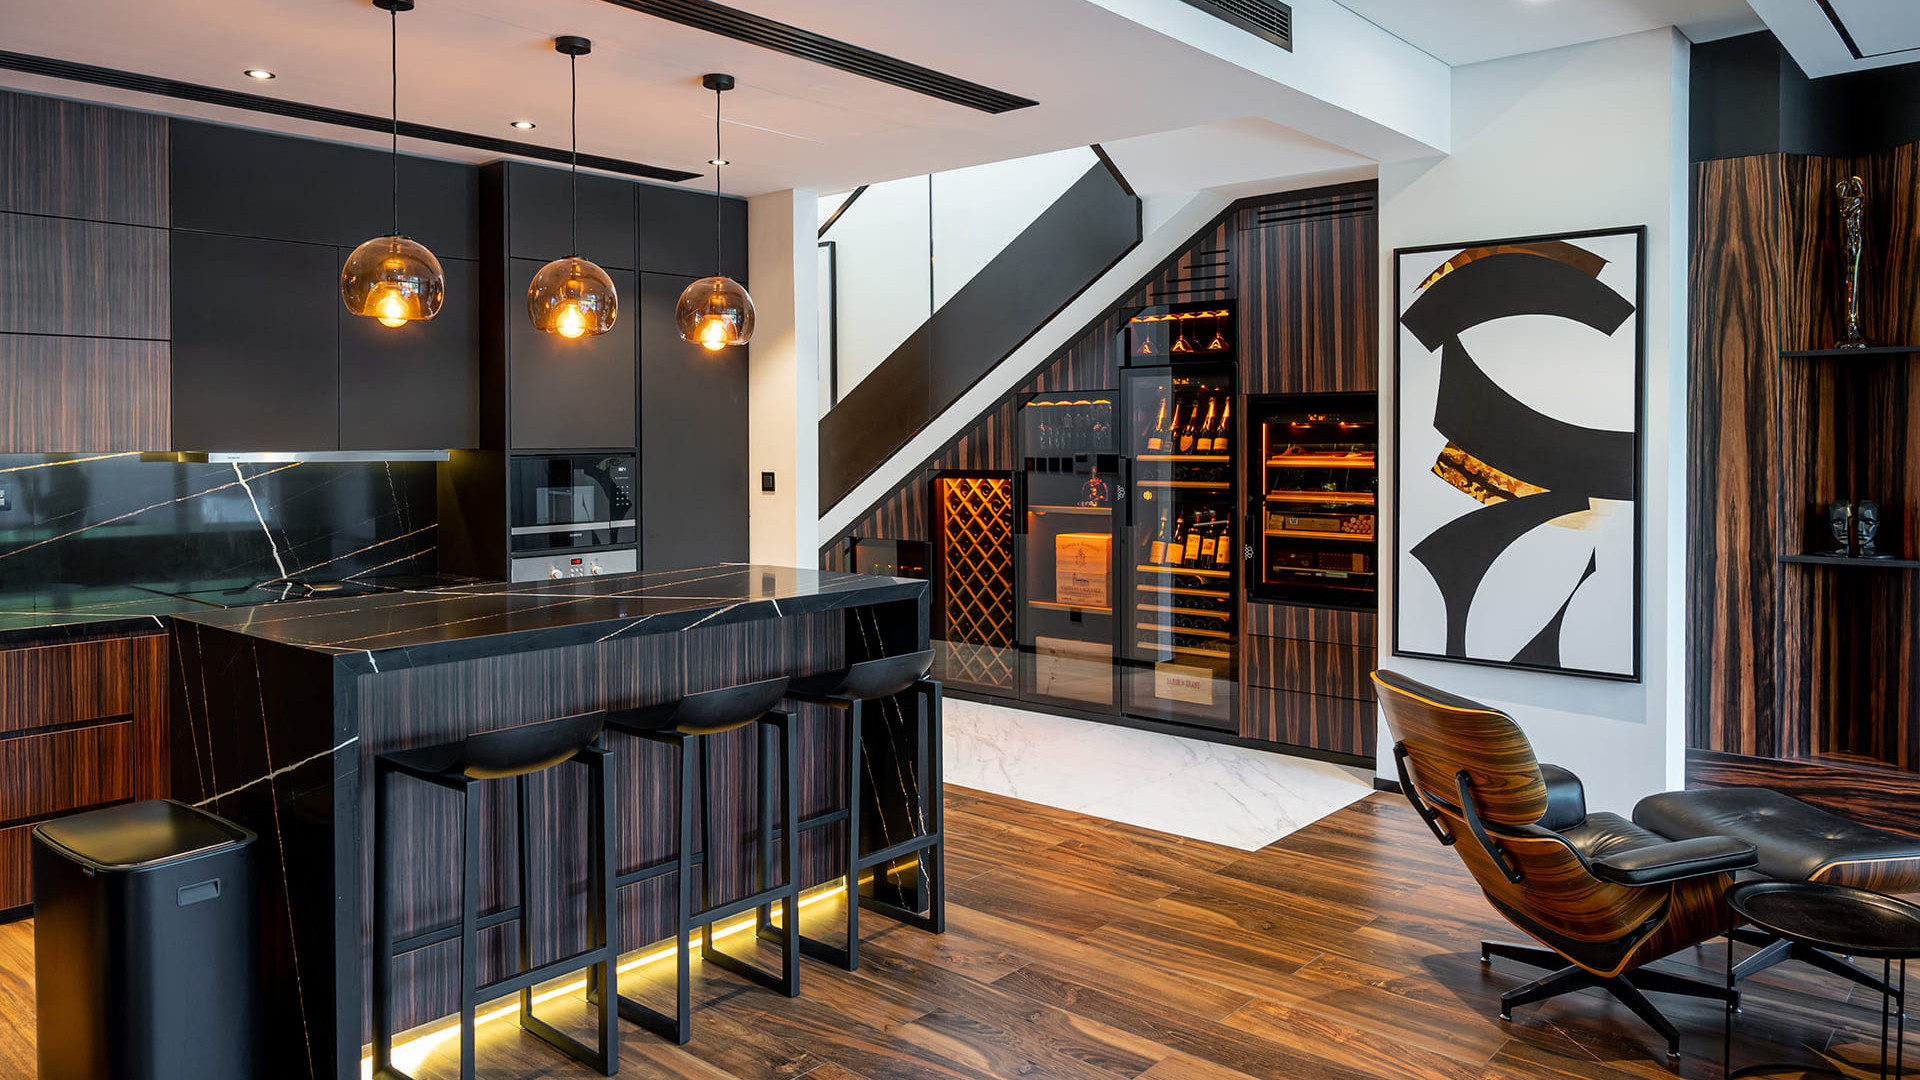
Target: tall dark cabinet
693,439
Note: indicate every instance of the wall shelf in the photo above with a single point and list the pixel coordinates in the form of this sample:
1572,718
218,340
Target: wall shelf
1837,560
1871,350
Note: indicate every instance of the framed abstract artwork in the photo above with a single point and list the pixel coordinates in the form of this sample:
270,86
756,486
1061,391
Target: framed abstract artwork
1519,368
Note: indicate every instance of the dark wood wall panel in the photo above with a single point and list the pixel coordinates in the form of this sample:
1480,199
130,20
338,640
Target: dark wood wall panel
66,159
16,867
57,685
1311,667
1313,624
1334,725
1309,294
1732,483
85,278
80,395
1888,799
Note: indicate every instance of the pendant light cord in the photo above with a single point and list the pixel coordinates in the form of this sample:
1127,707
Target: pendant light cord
393,59
573,124
718,164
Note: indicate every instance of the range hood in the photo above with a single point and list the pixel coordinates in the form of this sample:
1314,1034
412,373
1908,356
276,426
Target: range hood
235,457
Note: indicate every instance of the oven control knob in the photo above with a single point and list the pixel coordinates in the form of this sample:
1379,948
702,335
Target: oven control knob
594,569
555,573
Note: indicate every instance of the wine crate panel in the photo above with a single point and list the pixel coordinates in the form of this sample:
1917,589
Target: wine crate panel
66,770
1334,725
69,684
1313,624
1311,667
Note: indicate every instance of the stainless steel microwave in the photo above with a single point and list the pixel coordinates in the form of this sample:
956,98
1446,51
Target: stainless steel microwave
571,502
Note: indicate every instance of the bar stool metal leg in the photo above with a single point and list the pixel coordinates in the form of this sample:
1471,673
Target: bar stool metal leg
469,927
382,921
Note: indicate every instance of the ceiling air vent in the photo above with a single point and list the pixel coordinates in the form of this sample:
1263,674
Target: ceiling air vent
1268,18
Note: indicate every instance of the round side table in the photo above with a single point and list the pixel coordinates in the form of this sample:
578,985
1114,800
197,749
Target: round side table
1837,919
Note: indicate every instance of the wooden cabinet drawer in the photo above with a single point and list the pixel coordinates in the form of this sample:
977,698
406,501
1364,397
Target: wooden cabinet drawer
65,770
1311,667
1336,725
1312,624
16,866
57,685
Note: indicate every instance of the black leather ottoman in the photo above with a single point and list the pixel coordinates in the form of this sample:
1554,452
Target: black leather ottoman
1795,841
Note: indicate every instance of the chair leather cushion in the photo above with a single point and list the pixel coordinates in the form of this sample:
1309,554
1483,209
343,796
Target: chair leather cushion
1795,840
1619,851
1566,799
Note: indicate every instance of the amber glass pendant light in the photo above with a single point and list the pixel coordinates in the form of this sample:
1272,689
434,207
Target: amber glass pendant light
392,278
572,297
716,311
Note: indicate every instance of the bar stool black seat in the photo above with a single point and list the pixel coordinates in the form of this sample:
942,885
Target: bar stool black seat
692,718
512,753
850,689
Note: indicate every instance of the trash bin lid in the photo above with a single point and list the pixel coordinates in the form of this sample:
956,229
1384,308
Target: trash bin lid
140,834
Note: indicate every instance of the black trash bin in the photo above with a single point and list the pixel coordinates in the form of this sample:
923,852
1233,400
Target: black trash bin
144,942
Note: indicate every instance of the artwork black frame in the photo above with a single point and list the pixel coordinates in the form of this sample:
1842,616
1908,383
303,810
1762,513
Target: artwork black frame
1639,233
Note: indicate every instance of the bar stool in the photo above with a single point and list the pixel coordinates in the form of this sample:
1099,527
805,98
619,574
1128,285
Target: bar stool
514,753
690,720
850,690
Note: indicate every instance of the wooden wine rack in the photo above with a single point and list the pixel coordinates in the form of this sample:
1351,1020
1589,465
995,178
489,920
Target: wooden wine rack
976,589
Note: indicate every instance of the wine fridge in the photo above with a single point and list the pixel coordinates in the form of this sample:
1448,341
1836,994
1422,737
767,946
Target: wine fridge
1180,626
1067,570
1313,492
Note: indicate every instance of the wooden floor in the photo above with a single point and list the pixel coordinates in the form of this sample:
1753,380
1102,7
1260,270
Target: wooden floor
1080,949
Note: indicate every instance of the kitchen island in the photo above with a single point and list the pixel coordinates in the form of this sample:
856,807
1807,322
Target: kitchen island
278,711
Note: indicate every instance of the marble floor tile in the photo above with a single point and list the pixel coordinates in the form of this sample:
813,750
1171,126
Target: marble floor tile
1223,794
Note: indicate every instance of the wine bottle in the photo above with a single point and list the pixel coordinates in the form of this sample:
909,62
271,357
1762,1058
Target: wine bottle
1217,435
1203,442
1186,432
1195,537
1160,540
1177,546
1158,438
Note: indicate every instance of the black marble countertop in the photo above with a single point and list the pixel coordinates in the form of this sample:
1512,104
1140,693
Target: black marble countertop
429,626
50,616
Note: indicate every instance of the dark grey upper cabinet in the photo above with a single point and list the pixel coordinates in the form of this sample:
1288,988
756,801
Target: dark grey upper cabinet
676,232
251,183
413,387
693,440
540,217
568,395
255,362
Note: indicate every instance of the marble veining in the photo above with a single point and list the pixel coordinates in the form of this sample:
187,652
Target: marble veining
1223,794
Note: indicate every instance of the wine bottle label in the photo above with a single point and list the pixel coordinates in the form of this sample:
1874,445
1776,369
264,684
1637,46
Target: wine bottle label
1159,552
1193,549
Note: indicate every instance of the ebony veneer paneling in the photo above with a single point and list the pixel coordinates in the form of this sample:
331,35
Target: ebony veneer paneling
66,770
1313,721
69,160
1313,624
82,278
1309,292
1310,667
16,867
1880,797
78,395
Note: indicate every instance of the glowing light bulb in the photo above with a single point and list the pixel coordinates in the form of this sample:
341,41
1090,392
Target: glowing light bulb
713,336
391,309
572,322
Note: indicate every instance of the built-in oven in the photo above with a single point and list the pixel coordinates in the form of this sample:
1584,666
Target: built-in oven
571,502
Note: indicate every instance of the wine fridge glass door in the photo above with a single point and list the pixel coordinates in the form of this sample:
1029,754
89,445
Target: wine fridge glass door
1068,573
1180,624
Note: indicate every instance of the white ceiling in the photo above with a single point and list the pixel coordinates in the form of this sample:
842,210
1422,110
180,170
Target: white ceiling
1469,31
475,65
1887,32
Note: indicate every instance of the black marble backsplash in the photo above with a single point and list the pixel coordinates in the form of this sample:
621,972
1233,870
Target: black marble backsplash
79,522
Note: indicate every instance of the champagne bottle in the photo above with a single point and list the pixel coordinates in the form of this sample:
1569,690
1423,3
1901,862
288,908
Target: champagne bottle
1177,547
1186,431
1158,438
1160,540
1217,443
1203,441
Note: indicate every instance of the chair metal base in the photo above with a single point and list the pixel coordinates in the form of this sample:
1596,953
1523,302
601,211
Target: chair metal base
926,843
1628,988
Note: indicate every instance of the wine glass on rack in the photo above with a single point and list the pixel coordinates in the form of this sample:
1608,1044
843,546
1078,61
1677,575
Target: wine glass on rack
1219,342
1182,343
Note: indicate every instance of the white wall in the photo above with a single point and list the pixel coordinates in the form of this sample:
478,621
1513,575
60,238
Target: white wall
977,212
782,375
884,276
1586,137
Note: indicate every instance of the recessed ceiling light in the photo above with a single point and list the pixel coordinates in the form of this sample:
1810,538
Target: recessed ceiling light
523,125
259,73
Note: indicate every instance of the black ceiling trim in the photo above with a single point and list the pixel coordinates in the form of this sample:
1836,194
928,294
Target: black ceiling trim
1269,19
820,49
320,114
1846,36
1118,176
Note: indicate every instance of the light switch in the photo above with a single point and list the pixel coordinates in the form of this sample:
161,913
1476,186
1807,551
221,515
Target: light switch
766,483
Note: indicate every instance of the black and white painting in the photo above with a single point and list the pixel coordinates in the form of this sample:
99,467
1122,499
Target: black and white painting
1517,452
